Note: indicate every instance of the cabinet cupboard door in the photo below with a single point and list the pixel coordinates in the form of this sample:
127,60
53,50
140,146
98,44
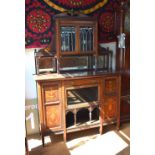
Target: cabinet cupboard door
51,93
110,107
52,105
110,97
76,36
53,116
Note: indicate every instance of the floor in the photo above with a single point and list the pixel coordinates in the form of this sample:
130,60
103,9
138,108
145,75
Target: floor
90,142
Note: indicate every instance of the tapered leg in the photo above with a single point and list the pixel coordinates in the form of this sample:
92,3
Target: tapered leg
101,127
43,140
64,135
101,121
118,123
26,146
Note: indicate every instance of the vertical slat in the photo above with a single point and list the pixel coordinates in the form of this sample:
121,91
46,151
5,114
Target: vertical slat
68,43
95,41
75,112
118,102
101,97
64,102
39,92
71,39
77,41
58,36
90,114
86,39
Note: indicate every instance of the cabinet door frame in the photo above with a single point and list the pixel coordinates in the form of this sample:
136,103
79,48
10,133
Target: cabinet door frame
77,24
54,103
116,94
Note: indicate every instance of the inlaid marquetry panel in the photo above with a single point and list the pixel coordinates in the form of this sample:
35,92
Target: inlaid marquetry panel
51,93
110,107
53,116
110,85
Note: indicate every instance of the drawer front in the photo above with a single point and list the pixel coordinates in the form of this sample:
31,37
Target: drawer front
109,107
82,82
53,116
110,85
51,93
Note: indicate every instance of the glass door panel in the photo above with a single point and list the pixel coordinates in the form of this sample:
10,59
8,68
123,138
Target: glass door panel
87,95
68,40
86,39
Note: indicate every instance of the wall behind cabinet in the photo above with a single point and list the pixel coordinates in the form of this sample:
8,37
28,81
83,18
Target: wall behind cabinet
31,108
112,47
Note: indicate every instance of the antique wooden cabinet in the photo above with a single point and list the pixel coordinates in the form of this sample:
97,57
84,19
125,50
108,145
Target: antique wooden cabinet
77,92
93,95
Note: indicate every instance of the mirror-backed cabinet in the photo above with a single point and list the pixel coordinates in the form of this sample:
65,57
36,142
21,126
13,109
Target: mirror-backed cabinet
76,93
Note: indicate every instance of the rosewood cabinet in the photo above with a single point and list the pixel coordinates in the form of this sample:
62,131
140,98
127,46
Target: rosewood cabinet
81,94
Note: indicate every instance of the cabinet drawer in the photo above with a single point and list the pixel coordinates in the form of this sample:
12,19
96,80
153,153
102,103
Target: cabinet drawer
82,82
51,93
110,85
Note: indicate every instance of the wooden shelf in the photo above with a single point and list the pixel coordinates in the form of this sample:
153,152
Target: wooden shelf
86,125
82,105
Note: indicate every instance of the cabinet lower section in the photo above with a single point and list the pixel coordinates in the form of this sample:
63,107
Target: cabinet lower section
74,104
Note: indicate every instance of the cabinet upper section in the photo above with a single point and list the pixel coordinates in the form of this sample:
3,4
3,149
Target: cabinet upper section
76,35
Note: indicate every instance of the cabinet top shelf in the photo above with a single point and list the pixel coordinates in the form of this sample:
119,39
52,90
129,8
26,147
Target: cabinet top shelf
74,75
67,16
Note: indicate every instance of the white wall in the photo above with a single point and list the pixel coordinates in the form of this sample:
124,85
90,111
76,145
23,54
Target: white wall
31,108
30,88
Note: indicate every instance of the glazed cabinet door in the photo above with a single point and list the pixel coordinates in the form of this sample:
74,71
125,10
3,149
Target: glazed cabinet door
76,36
52,106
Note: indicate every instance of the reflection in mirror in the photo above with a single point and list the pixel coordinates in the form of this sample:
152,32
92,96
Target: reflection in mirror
73,63
45,65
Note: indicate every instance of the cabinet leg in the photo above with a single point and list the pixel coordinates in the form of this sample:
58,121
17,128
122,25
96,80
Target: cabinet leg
118,125
43,140
101,125
101,129
64,136
26,146
101,121
118,121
